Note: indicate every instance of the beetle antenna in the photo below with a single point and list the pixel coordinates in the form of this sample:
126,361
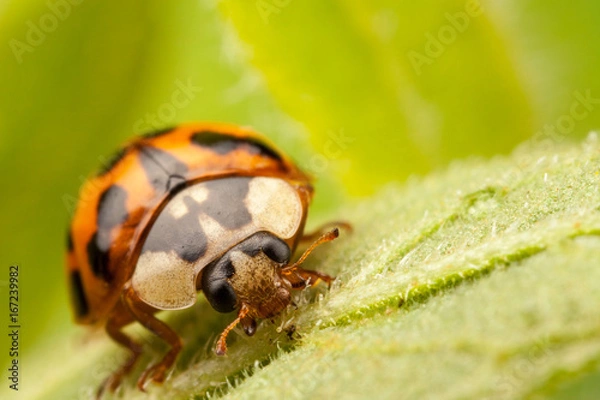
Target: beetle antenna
221,348
326,237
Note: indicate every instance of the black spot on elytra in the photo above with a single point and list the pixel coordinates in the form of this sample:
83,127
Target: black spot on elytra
112,211
80,303
98,258
157,133
163,170
69,241
222,144
184,235
175,182
225,202
119,154
112,161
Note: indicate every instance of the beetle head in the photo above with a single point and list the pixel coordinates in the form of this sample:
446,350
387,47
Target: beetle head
249,275
255,277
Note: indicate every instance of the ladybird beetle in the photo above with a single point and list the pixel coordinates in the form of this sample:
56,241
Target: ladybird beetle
202,206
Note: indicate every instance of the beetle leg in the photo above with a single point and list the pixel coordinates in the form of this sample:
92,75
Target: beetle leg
157,371
323,229
324,238
116,322
300,278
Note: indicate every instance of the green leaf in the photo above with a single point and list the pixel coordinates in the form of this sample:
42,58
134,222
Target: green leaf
478,282
409,86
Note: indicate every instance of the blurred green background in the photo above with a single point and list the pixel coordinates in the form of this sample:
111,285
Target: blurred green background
359,93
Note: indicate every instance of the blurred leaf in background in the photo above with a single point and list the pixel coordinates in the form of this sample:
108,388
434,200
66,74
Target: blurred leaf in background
413,85
384,89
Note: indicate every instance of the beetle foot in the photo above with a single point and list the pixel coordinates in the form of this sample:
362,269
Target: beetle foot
155,373
111,383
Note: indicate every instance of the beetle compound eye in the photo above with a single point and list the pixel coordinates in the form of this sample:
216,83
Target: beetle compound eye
273,247
276,250
216,288
220,295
